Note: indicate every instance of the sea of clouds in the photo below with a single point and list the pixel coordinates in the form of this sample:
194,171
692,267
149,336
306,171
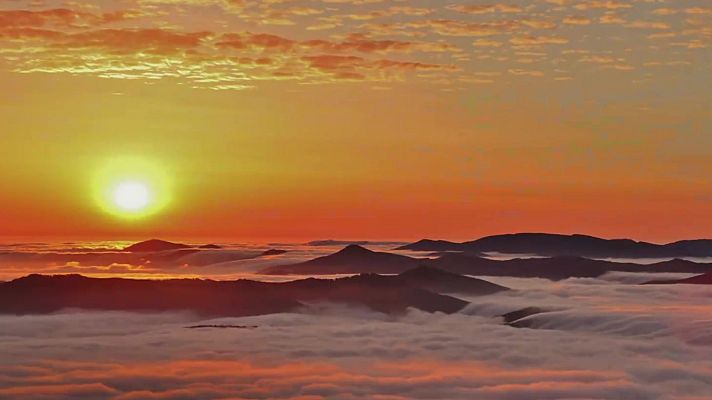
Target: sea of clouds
105,259
606,338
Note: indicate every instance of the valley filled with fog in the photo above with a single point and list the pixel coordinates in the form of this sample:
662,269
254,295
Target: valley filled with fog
607,337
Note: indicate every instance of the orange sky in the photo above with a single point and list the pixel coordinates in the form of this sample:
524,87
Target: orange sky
302,119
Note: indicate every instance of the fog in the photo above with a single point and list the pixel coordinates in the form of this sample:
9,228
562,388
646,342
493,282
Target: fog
601,339
104,259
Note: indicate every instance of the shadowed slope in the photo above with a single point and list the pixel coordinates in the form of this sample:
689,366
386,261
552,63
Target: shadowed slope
155,245
46,294
704,279
550,268
355,260
556,245
512,317
386,294
556,268
433,245
157,254
439,281
352,259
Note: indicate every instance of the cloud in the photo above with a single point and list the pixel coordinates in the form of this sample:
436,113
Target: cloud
603,5
576,20
296,380
485,8
524,72
537,40
203,58
354,43
604,340
150,40
57,17
230,262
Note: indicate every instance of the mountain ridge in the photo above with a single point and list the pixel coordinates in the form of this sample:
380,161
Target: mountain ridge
354,260
704,279
554,244
41,294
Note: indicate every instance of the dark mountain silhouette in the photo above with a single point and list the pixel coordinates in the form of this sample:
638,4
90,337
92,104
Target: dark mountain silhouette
331,242
704,279
514,316
556,268
203,258
352,259
155,245
676,265
691,248
210,247
433,245
155,252
38,294
562,245
556,245
386,294
166,257
273,252
439,281
356,260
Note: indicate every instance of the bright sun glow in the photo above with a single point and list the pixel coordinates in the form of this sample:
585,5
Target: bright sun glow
132,196
131,187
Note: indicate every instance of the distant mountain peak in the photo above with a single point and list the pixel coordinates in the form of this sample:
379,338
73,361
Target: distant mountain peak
354,249
704,279
441,281
387,294
556,244
350,258
40,278
155,245
431,245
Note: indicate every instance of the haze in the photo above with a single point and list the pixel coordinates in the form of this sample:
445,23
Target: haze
315,119
355,200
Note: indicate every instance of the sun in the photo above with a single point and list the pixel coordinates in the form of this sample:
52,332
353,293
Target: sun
132,196
131,187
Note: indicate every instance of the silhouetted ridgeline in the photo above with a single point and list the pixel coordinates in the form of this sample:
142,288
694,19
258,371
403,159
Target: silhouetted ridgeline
330,242
156,245
158,253
555,245
704,279
439,281
512,317
419,289
354,260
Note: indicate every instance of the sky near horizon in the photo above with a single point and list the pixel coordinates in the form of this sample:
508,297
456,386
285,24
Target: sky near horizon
305,119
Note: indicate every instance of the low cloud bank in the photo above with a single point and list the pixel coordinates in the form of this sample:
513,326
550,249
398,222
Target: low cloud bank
602,340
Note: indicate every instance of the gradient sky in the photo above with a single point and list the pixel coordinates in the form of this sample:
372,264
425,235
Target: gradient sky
299,119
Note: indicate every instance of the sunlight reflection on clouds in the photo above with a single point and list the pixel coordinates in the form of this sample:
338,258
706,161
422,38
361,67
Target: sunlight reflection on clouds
584,350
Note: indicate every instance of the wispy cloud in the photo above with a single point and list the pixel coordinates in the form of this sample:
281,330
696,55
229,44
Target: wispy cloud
181,40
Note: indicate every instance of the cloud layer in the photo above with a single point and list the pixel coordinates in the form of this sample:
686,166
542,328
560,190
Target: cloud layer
606,340
228,44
